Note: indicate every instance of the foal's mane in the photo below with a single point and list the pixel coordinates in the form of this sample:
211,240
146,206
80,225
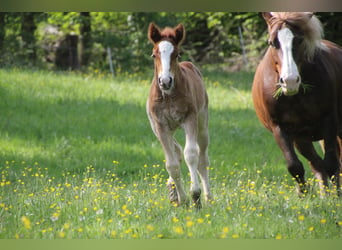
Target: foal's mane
307,23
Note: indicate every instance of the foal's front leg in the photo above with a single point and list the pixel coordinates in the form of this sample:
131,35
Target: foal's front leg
172,157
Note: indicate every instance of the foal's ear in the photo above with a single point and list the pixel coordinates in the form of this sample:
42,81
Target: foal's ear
153,33
180,34
267,16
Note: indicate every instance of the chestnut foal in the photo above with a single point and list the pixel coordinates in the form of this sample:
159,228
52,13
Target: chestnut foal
178,99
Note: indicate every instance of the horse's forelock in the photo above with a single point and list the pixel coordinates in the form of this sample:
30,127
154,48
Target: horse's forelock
307,23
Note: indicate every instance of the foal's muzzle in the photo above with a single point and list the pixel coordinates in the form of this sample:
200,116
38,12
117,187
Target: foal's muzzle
165,83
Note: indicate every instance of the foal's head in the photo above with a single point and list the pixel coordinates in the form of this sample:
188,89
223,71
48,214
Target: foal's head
166,44
294,38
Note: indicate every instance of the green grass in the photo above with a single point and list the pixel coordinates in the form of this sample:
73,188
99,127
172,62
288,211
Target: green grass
78,160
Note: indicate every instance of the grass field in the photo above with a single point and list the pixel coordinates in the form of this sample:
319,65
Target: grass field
78,160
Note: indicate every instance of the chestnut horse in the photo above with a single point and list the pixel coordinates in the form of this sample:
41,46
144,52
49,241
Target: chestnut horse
178,99
297,95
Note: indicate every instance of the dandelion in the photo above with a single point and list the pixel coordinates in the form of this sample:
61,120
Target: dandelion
323,221
178,230
26,221
66,226
150,228
189,223
278,237
174,219
61,235
200,220
235,236
311,229
301,217
113,234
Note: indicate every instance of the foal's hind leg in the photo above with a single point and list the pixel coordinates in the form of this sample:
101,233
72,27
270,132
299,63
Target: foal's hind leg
191,156
203,165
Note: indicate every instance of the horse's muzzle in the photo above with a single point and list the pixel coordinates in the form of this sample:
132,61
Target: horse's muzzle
165,83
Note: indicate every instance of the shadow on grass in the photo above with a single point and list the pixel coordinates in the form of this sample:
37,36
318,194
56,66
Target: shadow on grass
69,135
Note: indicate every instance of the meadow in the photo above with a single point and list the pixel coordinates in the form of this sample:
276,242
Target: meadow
78,160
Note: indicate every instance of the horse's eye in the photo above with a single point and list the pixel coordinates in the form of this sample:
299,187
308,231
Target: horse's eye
153,55
274,43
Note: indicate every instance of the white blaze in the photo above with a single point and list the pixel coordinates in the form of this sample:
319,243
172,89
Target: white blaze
289,70
165,50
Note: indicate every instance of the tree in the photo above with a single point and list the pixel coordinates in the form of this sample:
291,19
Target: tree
86,39
2,29
28,27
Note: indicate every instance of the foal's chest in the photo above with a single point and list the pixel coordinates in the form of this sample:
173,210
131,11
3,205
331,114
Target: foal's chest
170,113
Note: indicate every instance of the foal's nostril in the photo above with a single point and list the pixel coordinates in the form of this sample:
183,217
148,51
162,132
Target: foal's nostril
281,80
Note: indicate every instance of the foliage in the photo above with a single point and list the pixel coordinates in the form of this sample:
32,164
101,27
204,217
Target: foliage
78,159
212,37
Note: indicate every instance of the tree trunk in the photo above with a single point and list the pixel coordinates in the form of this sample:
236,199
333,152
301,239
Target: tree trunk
2,29
28,28
86,40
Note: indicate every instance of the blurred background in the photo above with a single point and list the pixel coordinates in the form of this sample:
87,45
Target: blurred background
116,42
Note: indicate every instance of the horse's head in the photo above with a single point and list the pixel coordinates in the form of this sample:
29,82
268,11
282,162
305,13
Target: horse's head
165,52
293,38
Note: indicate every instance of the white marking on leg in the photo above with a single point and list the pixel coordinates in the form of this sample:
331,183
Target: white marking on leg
191,155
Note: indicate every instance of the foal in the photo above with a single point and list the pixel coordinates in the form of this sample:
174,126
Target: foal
178,99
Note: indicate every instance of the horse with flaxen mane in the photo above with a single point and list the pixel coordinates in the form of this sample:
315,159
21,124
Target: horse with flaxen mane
297,95
178,99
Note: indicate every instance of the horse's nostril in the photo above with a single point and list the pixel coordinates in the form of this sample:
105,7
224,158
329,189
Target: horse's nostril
298,79
281,80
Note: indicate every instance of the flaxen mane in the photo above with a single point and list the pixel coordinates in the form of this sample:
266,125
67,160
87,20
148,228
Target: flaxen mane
307,25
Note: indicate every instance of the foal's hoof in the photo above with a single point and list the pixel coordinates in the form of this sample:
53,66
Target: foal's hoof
196,199
173,196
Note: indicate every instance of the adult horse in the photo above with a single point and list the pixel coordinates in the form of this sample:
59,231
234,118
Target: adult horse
297,95
178,99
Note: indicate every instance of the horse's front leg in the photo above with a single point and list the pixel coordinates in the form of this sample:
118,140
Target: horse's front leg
294,166
307,149
332,150
191,156
172,157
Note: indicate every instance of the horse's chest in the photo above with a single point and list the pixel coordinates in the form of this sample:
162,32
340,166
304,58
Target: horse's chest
171,114
301,117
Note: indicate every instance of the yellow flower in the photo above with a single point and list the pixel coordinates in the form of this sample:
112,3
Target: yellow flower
235,236
323,221
112,234
278,237
189,223
301,217
61,235
200,220
149,227
26,221
311,229
178,230
174,219
225,230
